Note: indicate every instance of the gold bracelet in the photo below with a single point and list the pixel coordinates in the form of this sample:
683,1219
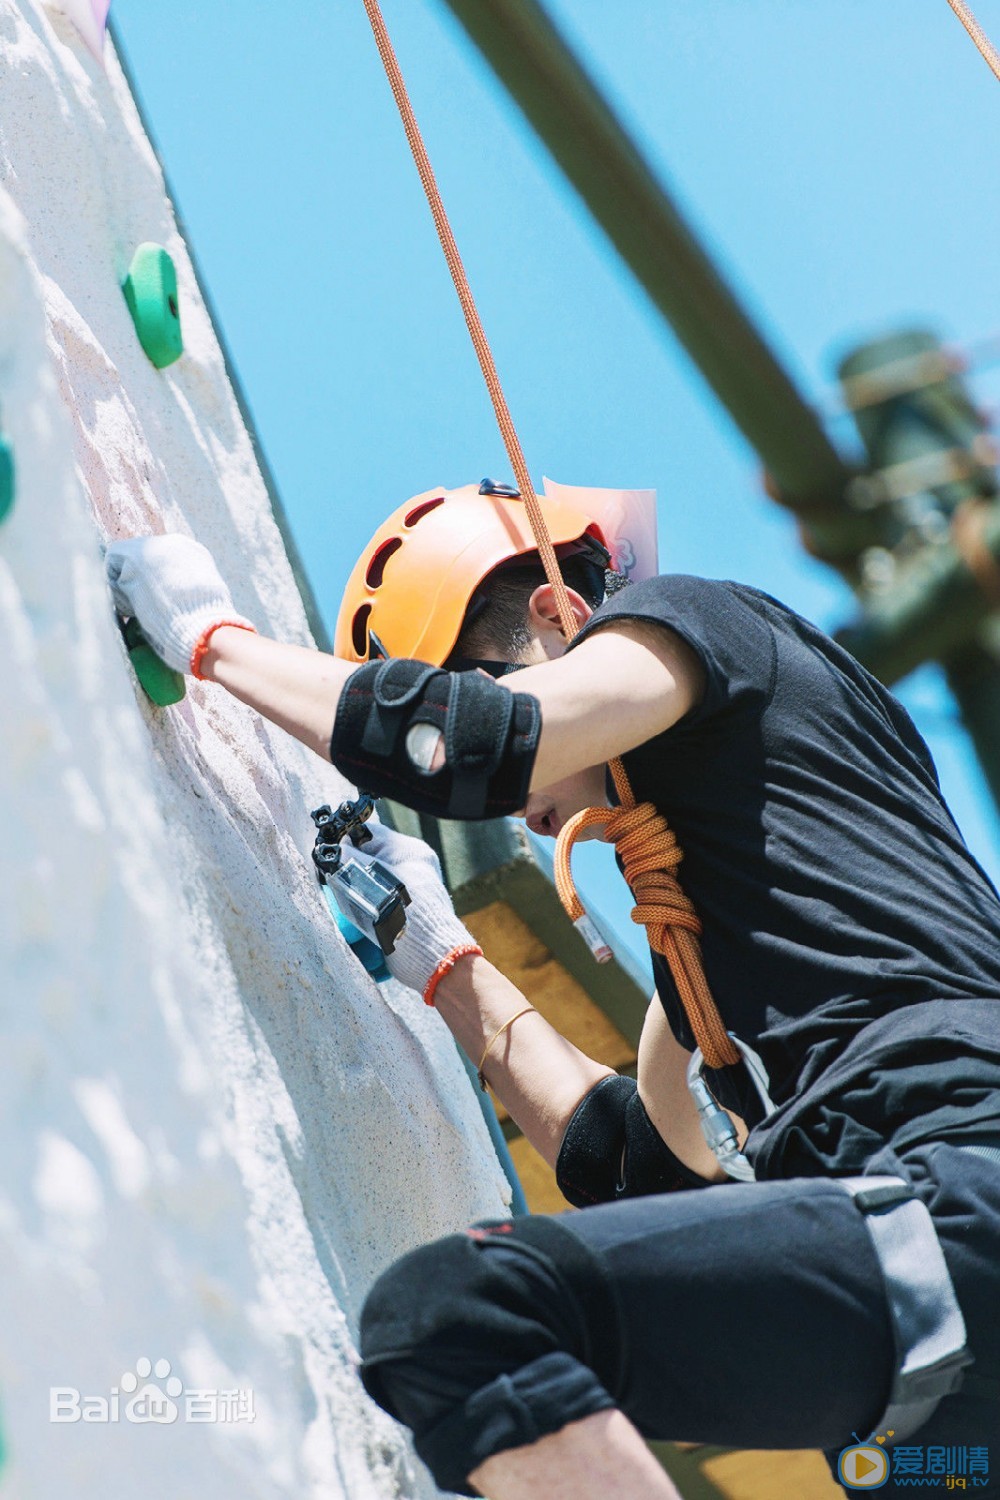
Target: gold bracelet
498,1033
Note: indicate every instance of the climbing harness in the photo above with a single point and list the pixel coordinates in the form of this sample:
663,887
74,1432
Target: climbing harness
369,896
640,834
928,1327
987,51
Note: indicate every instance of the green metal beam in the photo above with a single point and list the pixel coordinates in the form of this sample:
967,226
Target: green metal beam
536,65
933,610
939,604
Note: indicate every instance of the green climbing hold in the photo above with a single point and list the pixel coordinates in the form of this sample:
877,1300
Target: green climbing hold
161,684
6,479
151,293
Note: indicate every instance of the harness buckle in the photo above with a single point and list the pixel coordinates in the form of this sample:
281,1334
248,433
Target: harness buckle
716,1126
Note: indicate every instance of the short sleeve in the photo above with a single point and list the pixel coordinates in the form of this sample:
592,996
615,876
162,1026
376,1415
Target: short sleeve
718,620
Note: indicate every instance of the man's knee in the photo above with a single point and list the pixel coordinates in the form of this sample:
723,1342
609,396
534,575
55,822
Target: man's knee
484,1341
451,1316
444,1320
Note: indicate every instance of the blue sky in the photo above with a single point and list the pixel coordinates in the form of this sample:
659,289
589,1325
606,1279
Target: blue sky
833,154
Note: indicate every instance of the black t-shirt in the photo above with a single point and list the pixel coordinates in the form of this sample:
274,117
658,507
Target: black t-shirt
848,934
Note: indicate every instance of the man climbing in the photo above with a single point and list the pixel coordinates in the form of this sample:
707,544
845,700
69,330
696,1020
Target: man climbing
851,943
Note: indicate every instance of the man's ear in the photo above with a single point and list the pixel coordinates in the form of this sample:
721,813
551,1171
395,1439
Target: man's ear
543,612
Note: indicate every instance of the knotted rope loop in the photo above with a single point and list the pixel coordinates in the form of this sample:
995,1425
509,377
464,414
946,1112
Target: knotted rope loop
650,856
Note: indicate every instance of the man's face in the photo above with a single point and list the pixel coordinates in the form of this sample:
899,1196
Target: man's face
550,807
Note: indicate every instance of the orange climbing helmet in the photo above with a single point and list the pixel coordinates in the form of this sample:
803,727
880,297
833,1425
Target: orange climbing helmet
411,586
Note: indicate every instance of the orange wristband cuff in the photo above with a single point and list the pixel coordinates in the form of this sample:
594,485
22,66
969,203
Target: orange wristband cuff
464,950
202,643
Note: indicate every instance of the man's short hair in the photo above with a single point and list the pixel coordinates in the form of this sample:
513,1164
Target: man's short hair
497,621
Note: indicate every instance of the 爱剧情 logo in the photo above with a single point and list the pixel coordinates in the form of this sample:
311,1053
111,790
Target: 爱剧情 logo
955,1466
864,1466
150,1393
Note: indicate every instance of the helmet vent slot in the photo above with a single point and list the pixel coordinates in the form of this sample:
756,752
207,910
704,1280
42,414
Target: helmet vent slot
359,631
376,568
419,511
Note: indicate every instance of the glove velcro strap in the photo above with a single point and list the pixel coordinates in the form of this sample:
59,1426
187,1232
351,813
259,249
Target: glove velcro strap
490,737
397,688
613,1150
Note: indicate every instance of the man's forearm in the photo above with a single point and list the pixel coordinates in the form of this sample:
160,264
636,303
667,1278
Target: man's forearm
295,687
537,1074
299,690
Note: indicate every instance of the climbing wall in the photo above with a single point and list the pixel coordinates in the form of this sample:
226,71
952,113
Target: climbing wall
216,1127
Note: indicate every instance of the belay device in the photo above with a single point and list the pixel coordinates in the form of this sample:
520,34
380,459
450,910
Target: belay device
369,896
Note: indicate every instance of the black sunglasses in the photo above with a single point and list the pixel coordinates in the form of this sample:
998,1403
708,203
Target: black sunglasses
377,651
475,663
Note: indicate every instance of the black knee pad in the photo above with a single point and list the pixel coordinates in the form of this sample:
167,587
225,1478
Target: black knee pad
452,1316
490,738
613,1150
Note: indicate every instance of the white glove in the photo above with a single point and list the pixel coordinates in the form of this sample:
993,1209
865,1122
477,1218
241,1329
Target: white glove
170,584
433,936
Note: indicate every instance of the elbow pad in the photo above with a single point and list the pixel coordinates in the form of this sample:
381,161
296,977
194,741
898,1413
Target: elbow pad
613,1150
490,738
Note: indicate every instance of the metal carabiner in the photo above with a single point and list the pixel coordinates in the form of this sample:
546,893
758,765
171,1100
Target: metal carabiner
716,1126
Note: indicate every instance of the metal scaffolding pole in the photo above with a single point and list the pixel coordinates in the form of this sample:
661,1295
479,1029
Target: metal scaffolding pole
931,613
537,66
936,607
931,465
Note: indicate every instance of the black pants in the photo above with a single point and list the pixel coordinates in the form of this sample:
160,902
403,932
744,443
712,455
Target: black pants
752,1316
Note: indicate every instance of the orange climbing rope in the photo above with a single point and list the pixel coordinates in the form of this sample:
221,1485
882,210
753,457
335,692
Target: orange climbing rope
650,855
472,320
988,52
648,849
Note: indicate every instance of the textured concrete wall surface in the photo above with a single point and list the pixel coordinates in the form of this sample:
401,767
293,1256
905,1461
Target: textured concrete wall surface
216,1127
